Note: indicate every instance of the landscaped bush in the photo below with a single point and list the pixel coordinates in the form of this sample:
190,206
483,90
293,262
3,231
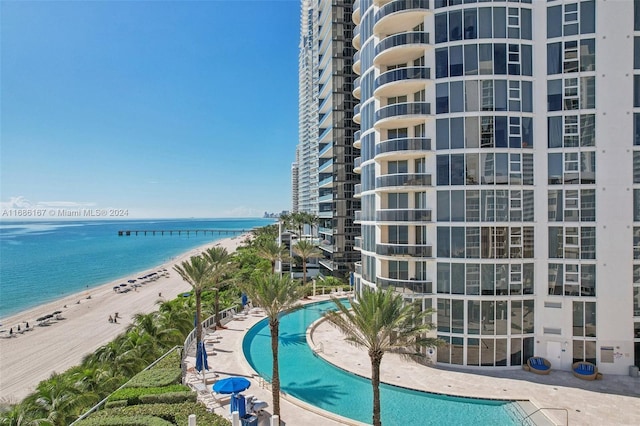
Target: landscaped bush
176,414
115,404
156,377
173,360
125,421
169,398
132,395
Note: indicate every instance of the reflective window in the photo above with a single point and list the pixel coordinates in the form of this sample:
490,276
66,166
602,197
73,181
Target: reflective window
455,25
470,24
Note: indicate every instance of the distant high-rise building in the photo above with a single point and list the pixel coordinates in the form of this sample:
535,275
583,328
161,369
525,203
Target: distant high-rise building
294,187
325,151
500,174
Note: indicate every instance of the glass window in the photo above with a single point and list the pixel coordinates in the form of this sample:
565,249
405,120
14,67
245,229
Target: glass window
588,167
588,55
442,62
444,279
554,95
501,132
525,59
457,131
636,122
455,25
472,279
488,280
587,242
554,58
441,28
456,97
457,248
587,17
471,59
442,98
470,24
555,205
525,24
471,95
556,244
473,206
472,176
499,58
588,205
473,243
485,22
554,129
636,15
587,130
457,206
472,136
442,164
457,169
527,102
455,61
588,92
444,242
487,170
485,54
442,133
554,21
499,22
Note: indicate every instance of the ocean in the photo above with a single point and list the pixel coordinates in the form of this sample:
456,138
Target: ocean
44,261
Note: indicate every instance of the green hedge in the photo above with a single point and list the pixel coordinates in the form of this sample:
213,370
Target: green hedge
115,404
173,360
169,398
156,377
132,395
125,421
176,414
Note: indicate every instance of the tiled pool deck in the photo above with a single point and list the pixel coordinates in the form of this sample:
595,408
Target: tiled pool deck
615,400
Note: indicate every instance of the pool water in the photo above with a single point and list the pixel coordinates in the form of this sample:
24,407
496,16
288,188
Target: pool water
317,382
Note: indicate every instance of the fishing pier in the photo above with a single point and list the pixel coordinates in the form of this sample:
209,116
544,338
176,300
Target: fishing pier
179,232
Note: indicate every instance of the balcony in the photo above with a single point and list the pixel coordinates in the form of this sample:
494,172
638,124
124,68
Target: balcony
357,217
356,114
356,62
356,165
399,48
357,243
403,147
327,263
326,247
356,15
411,286
355,41
325,167
399,15
356,88
325,231
326,198
356,139
326,151
325,182
357,190
388,182
401,81
402,115
403,215
410,250
358,266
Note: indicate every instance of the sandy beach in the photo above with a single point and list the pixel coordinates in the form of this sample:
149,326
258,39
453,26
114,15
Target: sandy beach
29,357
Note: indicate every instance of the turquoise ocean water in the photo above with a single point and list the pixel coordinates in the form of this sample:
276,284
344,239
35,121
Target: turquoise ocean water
44,261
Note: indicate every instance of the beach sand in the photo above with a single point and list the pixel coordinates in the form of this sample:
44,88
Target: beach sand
32,356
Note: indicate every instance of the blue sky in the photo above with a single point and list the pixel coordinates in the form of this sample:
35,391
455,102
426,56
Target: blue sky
162,108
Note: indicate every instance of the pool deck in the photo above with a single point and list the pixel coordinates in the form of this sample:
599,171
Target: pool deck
615,400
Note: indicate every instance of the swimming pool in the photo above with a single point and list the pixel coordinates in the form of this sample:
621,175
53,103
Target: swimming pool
315,381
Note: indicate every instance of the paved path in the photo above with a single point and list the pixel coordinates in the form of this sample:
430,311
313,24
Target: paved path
612,401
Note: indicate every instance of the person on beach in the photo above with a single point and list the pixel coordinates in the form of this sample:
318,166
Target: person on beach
110,318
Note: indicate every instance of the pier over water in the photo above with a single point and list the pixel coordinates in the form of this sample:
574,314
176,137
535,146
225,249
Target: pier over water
162,232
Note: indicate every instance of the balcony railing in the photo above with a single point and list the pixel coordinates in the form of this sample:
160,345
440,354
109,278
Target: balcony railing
358,266
404,179
398,5
405,108
412,37
412,286
412,250
357,189
400,74
357,162
357,215
403,215
403,144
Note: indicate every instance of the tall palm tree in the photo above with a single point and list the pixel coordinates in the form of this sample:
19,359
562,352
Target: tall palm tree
276,295
271,251
196,272
379,322
60,400
306,250
221,267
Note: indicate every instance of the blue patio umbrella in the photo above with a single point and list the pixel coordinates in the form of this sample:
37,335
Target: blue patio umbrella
202,362
244,299
231,385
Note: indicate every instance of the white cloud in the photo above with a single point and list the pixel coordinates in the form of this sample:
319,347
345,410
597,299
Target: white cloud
21,202
242,211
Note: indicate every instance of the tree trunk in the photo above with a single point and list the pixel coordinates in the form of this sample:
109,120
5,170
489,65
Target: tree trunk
376,360
304,270
275,376
198,323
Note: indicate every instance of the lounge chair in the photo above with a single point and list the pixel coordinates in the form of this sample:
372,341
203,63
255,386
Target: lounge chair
584,370
539,365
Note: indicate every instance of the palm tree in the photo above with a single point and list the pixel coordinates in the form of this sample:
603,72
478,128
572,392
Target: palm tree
196,272
271,251
306,250
221,266
60,400
276,295
381,323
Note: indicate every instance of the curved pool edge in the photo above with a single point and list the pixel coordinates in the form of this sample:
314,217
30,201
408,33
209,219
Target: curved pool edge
519,405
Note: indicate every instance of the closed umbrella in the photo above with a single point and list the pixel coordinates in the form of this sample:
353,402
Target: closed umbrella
244,299
202,362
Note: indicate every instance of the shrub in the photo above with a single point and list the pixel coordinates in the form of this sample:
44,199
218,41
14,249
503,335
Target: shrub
169,398
124,421
116,404
173,360
176,414
132,395
156,377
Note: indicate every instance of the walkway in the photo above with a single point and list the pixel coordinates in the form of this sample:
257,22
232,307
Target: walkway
614,400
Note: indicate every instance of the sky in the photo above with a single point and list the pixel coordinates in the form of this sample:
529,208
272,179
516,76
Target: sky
162,109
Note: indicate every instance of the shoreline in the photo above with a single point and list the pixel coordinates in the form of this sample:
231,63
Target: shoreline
31,356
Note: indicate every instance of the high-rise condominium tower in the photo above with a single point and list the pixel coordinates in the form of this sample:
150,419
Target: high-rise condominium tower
326,151
500,181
